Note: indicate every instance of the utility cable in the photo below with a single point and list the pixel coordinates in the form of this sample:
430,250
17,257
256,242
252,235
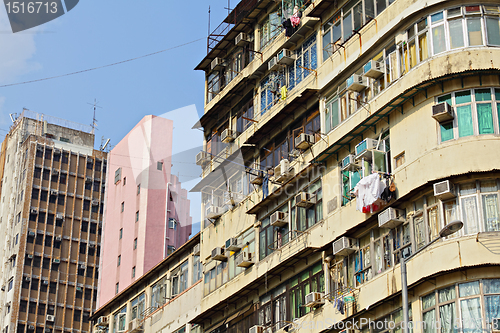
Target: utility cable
100,67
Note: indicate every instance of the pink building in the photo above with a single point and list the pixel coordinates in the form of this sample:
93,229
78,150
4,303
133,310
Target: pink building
146,211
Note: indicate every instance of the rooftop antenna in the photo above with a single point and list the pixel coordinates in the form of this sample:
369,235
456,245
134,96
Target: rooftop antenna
103,146
228,7
94,121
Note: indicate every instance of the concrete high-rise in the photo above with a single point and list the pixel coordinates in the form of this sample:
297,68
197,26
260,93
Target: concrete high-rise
147,211
51,203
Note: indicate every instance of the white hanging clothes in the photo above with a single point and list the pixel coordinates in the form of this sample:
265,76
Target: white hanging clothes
368,190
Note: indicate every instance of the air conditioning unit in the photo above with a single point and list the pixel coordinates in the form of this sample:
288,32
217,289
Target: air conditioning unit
91,245
257,179
314,300
357,83
256,329
53,192
31,233
30,256
344,246
78,288
172,223
27,279
282,171
279,219
31,327
135,325
442,112
59,216
218,254
45,282
349,163
227,135
391,218
304,141
244,259
95,202
202,158
367,145
56,261
273,65
55,171
196,250
232,245
51,318
495,325
217,64
103,321
444,190
34,211
374,69
242,39
213,212
82,266
285,57
304,199
58,238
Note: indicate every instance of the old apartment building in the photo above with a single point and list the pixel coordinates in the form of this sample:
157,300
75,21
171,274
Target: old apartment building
51,206
342,140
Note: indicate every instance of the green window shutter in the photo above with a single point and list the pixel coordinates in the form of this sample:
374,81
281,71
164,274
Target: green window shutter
464,121
446,131
485,118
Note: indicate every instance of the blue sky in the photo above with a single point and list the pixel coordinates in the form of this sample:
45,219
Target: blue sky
96,33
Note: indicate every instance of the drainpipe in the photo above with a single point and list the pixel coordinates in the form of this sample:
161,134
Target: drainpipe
167,196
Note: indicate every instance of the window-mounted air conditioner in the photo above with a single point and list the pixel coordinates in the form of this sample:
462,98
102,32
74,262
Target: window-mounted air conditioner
444,190
367,145
55,171
202,158
218,254
31,233
59,216
196,250
256,177
213,212
244,259
373,69
232,245
56,261
391,218
285,57
91,245
34,211
357,83
31,327
304,199
135,325
217,64
103,321
279,219
171,223
495,325
442,112
95,202
273,65
256,329
27,279
45,282
82,266
304,141
349,163
51,318
282,171
88,179
78,288
314,300
242,39
58,238
227,136
53,192
344,246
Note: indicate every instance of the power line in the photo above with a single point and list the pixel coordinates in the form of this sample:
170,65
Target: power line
100,67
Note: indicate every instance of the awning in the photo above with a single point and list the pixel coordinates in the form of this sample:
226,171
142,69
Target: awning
322,6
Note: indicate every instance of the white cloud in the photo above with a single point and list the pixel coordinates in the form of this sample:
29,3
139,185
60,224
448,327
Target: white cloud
16,52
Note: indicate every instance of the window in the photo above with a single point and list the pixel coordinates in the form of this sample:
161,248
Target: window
306,61
180,279
118,175
138,306
170,249
133,272
137,216
119,318
462,306
399,160
122,206
11,283
119,260
270,28
124,181
311,280
476,113
117,287
138,189
158,294
172,223
197,268
159,165
135,243
121,233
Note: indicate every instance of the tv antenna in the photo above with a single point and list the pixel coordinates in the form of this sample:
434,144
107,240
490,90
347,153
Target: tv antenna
94,120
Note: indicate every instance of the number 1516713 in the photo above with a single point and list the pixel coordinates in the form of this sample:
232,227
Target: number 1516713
36,7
